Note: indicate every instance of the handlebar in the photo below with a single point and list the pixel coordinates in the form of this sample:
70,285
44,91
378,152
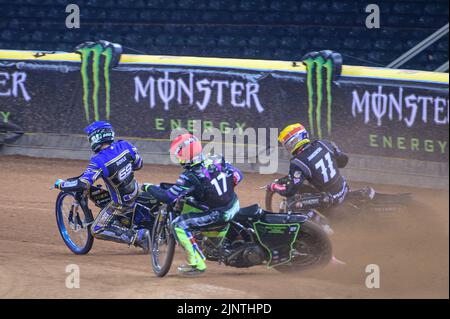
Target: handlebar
281,181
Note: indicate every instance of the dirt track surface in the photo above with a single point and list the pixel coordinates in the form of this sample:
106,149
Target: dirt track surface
411,248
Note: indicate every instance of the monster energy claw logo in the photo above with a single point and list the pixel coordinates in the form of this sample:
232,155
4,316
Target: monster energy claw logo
93,55
316,63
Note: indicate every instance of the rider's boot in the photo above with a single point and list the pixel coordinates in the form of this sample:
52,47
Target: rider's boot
368,193
116,234
188,270
142,239
365,194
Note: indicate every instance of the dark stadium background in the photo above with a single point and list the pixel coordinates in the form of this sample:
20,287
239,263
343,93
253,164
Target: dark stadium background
255,29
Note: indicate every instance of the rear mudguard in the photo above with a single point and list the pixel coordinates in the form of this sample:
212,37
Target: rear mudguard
395,199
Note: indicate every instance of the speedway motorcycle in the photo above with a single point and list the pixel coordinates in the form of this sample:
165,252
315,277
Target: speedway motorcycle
74,217
285,242
309,202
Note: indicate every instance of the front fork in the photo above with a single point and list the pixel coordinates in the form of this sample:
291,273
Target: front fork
165,218
75,222
74,217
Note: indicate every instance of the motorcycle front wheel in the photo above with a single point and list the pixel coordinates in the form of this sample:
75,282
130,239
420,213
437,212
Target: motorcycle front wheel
162,245
72,224
275,202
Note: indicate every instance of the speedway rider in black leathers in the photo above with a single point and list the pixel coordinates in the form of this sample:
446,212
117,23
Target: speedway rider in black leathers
114,162
318,162
211,182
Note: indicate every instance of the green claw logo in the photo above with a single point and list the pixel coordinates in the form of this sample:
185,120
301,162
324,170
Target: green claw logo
316,63
96,56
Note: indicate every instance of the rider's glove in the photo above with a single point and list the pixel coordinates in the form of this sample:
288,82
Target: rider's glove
237,177
274,187
58,183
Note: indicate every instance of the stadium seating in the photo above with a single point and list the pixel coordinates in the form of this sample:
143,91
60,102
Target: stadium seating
262,29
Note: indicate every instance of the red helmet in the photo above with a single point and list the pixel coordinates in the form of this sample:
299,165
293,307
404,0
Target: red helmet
187,149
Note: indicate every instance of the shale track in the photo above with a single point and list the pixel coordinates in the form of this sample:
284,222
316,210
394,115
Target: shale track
411,248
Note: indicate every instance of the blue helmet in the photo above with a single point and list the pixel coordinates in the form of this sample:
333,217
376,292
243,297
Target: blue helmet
99,133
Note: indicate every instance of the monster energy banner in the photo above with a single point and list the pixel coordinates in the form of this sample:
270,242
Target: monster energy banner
371,116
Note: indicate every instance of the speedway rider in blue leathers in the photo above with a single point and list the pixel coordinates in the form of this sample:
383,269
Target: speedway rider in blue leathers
211,182
114,162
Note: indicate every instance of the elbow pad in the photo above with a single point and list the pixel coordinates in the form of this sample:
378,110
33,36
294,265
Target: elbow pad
342,160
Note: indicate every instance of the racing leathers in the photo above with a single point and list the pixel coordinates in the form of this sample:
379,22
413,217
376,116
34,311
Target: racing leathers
318,163
115,164
211,184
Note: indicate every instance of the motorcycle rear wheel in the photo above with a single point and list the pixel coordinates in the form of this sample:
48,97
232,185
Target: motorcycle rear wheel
312,248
